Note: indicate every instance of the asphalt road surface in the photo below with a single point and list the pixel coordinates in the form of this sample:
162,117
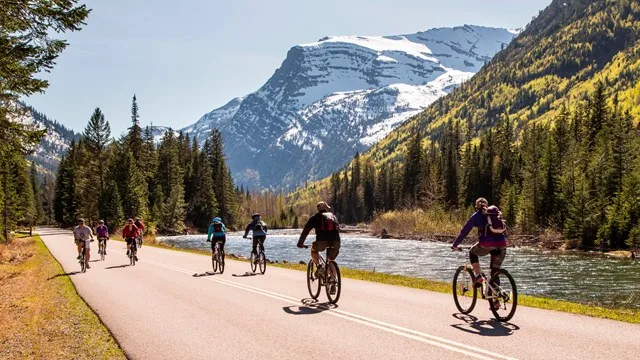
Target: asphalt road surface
168,307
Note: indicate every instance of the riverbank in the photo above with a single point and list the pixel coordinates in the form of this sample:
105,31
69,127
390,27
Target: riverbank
41,314
444,227
620,314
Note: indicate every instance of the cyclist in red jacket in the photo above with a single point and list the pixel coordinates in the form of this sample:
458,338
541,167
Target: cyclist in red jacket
130,233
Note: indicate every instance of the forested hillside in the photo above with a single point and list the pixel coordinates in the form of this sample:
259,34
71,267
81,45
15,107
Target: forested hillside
546,130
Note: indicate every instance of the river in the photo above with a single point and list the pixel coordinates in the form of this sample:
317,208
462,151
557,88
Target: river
578,278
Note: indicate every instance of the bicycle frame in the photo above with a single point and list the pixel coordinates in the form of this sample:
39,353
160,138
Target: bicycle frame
496,291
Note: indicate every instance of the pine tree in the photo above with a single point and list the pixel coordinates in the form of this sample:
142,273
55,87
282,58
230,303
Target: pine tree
382,189
38,210
171,178
369,190
412,170
355,190
134,138
203,206
97,135
65,196
598,113
48,191
532,150
110,205
133,190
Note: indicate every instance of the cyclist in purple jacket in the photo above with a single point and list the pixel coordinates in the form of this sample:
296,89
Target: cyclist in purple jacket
489,242
103,234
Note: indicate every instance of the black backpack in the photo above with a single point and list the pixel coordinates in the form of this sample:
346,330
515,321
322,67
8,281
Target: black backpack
217,227
258,227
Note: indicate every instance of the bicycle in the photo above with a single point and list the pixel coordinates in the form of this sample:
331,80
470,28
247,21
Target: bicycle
259,259
102,243
217,258
133,253
83,257
465,292
139,241
318,276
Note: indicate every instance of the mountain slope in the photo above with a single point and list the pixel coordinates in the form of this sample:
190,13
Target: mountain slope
55,143
556,61
340,95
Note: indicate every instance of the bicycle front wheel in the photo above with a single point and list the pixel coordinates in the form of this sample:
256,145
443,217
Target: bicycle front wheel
333,283
465,294
262,261
506,296
254,261
83,265
313,283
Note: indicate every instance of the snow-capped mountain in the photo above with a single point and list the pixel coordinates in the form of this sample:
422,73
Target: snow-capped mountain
53,146
340,95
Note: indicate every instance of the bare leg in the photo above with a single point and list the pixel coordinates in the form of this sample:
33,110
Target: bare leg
315,257
476,268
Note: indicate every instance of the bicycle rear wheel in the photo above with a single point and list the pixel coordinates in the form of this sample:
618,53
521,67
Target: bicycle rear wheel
507,297
214,262
221,261
83,264
465,294
254,260
333,283
313,283
262,261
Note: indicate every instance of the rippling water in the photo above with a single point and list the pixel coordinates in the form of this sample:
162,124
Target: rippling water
578,278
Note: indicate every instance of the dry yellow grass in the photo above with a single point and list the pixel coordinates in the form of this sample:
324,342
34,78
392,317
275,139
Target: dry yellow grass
419,223
41,314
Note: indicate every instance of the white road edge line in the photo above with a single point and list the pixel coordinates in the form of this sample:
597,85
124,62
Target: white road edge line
395,329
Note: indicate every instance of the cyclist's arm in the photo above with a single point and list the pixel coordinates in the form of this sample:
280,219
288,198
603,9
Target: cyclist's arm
465,230
266,228
307,229
246,231
210,232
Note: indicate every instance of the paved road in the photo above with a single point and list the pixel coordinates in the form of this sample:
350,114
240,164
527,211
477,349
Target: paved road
160,310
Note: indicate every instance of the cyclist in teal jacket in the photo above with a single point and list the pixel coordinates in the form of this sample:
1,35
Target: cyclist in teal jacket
218,232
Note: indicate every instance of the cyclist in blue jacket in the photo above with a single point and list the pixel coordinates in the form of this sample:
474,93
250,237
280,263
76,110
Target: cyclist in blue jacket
218,232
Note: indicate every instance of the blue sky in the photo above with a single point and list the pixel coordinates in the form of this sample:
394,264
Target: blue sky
185,58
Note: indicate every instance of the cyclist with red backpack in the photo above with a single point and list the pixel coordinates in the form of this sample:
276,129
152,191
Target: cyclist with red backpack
492,239
218,232
327,233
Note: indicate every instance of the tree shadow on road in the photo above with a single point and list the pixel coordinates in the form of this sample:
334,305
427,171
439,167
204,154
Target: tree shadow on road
64,274
310,307
484,327
117,266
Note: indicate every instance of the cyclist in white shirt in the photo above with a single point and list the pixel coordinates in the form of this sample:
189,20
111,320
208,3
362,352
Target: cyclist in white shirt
84,234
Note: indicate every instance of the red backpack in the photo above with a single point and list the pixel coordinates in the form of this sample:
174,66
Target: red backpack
329,222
